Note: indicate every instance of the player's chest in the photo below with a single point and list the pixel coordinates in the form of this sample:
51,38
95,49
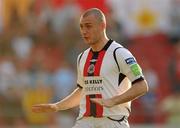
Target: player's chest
98,64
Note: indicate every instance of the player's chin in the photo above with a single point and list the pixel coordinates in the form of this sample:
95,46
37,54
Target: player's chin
87,42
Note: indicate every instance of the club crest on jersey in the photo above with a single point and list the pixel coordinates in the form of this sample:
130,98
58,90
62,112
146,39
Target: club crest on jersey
93,60
91,69
130,61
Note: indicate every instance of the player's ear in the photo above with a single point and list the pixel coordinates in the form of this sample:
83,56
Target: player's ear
103,25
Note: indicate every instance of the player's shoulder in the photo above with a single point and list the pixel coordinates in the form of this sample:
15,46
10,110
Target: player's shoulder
116,45
83,53
119,49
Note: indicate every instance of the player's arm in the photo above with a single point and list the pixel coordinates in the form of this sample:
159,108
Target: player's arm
131,69
138,89
68,102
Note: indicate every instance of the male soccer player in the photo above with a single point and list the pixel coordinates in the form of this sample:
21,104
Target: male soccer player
109,78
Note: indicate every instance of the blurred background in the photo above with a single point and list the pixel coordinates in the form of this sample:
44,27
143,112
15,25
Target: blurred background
39,43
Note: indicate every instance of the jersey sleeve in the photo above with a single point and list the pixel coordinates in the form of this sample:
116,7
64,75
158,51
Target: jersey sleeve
128,65
79,78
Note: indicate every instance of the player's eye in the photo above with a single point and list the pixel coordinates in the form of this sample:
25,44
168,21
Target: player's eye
89,26
81,26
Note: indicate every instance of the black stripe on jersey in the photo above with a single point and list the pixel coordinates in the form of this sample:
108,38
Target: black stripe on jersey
115,58
129,110
137,80
105,47
120,120
121,78
95,56
107,44
92,106
78,85
80,57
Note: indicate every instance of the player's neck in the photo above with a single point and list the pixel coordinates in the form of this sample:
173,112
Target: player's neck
100,44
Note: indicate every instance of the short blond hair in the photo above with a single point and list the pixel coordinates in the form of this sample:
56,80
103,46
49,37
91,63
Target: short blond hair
96,12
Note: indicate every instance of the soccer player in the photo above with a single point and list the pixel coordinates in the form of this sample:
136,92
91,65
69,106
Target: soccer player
109,78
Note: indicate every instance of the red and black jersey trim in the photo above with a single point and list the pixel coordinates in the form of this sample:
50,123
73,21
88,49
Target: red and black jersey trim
94,61
92,68
93,109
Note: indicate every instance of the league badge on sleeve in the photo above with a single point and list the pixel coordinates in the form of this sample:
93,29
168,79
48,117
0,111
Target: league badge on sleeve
135,68
130,61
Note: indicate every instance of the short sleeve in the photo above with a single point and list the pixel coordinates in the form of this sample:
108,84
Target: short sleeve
128,65
79,76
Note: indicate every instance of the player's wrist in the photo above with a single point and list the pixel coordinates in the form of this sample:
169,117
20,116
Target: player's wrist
55,107
115,100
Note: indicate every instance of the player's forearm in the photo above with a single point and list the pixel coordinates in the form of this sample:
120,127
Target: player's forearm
137,90
70,101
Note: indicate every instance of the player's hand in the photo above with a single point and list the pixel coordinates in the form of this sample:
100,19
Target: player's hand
104,102
40,108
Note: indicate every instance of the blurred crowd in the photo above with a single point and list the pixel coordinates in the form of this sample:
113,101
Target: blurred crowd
40,40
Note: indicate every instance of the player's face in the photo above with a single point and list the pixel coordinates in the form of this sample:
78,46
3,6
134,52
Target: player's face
91,30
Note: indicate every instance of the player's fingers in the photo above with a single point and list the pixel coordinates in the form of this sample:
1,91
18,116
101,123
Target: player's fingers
39,108
96,100
40,105
36,109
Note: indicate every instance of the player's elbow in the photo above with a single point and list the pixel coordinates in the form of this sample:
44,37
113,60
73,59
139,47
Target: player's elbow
145,87
142,87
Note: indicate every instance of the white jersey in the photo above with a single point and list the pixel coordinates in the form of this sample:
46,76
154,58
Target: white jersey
105,74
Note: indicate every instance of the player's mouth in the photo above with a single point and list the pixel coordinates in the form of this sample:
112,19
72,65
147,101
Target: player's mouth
86,38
